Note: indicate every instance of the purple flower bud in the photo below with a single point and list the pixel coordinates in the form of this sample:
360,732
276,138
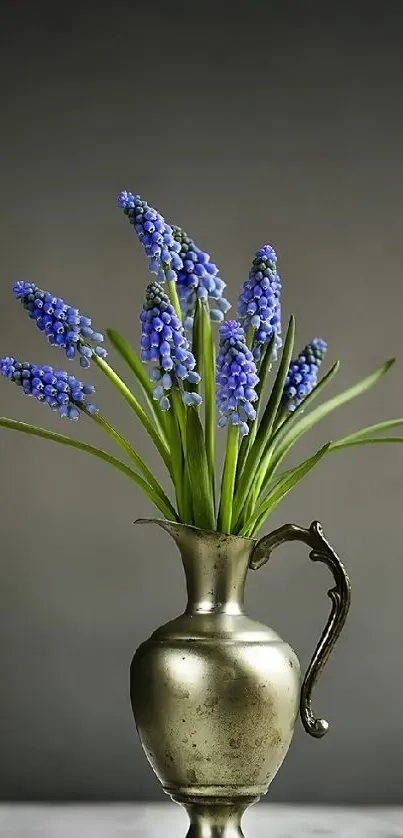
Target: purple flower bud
235,368
62,392
259,302
198,278
167,348
63,325
161,249
303,374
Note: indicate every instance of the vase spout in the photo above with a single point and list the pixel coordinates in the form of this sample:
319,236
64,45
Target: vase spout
215,567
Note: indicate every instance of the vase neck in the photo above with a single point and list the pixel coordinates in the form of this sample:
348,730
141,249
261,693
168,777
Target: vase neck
215,568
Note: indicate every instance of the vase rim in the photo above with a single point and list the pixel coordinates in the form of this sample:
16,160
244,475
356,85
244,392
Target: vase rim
167,522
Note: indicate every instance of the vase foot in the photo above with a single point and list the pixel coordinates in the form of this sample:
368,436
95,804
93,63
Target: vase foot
215,819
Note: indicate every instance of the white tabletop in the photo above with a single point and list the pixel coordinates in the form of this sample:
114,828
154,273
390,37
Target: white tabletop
167,820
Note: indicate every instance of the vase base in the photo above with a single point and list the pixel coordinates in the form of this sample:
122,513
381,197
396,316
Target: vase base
215,818
211,795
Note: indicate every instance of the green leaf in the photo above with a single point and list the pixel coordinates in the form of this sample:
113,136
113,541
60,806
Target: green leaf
282,487
366,433
166,508
265,469
198,472
295,416
135,405
263,371
178,467
128,354
134,363
285,441
204,352
208,376
369,440
197,339
132,453
265,428
225,514
264,367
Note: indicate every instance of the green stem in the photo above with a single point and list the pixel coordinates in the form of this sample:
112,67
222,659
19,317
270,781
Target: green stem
252,463
250,334
125,445
208,365
173,296
177,463
263,369
121,345
179,410
180,478
197,343
138,409
24,427
228,481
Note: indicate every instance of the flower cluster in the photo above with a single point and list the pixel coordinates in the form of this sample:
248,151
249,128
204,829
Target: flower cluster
198,279
56,388
63,325
163,343
259,305
303,374
236,378
155,235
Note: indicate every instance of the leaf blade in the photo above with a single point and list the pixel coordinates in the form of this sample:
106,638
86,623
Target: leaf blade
263,371
265,426
198,472
130,357
286,441
283,486
53,436
368,431
375,440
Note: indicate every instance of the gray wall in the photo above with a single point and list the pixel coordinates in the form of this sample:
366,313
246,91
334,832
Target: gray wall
283,125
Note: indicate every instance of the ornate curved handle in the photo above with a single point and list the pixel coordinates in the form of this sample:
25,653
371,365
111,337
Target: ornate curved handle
321,551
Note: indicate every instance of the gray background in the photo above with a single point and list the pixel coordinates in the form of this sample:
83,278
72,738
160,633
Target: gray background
281,121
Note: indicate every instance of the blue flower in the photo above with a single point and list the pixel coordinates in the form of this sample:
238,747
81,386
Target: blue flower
56,388
259,305
155,235
236,378
303,374
63,325
198,279
163,343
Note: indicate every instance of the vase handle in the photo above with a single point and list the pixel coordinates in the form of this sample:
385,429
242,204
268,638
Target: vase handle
340,594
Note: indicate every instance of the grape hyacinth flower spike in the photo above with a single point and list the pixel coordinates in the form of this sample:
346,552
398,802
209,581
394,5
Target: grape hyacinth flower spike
63,325
198,279
303,374
56,388
259,305
164,344
155,235
236,378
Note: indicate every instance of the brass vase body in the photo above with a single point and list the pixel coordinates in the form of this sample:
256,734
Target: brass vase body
215,694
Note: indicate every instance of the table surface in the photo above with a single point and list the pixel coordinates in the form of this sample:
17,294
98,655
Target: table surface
167,820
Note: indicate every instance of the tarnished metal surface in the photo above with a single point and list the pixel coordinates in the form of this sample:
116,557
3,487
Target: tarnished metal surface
340,594
214,693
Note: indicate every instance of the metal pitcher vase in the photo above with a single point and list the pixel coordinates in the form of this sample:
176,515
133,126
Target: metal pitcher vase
215,694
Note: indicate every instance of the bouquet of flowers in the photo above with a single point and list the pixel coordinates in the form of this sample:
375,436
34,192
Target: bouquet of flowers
253,395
